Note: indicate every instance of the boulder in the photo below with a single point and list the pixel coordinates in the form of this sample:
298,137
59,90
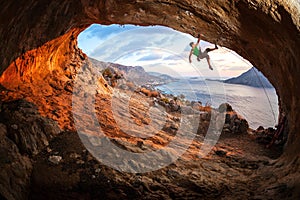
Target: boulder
243,126
55,159
225,107
26,128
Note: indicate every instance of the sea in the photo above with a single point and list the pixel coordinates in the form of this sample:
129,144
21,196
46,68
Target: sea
259,106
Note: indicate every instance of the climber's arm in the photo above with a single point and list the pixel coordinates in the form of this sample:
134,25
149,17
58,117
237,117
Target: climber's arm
190,56
199,38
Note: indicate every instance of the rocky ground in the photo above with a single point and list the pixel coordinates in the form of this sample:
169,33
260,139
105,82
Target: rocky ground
43,156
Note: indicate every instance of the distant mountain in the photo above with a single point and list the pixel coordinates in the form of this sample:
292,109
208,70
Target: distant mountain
252,77
165,77
135,74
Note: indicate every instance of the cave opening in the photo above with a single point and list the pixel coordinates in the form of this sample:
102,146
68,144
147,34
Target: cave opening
164,51
124,56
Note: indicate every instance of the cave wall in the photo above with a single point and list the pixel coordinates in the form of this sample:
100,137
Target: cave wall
36,65
35,37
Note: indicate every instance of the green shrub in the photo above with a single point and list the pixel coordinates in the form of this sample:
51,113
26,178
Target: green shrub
107,73
165,100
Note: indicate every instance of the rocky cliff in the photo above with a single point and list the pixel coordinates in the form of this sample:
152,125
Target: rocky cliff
39,59
252,77
135,74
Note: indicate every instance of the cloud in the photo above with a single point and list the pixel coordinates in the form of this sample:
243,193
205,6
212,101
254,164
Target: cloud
151,57
132,42
187,48
104,32
174,70
156,48
96,34
172,58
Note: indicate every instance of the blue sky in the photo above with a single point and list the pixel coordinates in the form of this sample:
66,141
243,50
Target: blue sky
158,49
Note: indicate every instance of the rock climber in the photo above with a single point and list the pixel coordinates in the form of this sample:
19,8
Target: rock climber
200,55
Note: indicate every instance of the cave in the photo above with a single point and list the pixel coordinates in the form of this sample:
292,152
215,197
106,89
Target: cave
39,58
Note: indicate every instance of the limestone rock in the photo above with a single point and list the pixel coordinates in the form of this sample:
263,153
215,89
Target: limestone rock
15,169
30,131
55,159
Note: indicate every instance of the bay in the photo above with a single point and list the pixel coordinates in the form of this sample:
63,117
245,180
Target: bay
259,106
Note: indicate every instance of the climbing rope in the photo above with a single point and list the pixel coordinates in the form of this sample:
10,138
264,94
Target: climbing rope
247,63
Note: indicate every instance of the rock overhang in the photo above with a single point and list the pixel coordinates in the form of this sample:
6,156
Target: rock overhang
264,32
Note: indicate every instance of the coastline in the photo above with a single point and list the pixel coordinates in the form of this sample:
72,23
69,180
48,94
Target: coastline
241,97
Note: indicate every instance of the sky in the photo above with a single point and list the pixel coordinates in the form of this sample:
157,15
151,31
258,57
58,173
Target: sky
157,49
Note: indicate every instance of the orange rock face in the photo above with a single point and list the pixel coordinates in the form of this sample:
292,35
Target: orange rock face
55,58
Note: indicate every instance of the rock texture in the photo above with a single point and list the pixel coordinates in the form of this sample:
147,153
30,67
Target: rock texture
15,169
30,132
38,40
23,134
80,176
